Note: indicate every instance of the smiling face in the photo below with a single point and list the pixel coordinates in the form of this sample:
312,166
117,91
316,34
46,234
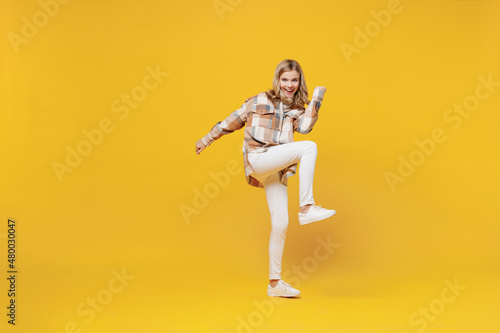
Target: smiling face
289,84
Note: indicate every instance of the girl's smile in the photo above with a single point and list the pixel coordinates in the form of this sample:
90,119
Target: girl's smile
289,83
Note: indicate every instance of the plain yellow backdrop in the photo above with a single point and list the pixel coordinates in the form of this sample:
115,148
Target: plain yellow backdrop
122,228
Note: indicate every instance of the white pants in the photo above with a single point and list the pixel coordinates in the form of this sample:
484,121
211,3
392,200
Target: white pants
267,166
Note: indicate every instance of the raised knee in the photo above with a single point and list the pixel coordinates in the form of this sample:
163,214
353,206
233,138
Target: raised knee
311,145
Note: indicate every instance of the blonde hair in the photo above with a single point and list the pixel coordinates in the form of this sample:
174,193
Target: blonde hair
276,95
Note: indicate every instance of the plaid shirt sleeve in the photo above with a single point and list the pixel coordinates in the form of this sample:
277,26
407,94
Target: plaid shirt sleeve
235,121
305,122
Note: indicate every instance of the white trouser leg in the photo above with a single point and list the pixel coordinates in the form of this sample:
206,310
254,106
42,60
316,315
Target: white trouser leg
277,200
267,166
279,157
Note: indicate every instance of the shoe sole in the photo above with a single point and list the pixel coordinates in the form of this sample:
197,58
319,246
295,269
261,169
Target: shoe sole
316,220
268,294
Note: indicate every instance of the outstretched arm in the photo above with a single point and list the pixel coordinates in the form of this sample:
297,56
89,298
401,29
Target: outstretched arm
233,122
304,124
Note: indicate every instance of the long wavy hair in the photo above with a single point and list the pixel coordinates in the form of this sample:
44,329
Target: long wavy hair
276,94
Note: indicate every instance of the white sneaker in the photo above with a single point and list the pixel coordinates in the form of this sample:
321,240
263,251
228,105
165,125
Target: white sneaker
282,289
315,213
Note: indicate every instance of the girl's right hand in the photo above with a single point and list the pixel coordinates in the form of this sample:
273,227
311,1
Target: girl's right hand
321,88
199,147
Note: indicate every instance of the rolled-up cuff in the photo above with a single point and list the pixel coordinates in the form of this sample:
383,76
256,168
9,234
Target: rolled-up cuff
207,140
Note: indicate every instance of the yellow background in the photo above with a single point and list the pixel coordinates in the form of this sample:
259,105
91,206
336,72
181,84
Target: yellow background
120,209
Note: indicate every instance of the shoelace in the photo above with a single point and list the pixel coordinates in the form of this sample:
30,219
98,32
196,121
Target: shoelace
318,208
286,285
